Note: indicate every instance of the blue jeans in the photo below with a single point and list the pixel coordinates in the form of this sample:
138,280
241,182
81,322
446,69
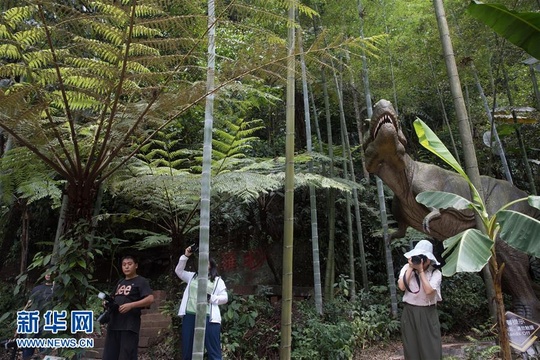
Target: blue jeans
212,338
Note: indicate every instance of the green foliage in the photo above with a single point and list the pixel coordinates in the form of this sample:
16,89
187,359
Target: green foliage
8,307
521,29
250,327
345,327
23,175
479,350
464,304
471,249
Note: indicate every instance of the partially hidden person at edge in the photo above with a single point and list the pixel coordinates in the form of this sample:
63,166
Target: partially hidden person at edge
421,279
131,295
40,299
216,294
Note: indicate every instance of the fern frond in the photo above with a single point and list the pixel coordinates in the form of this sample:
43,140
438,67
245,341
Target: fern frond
30,37
141,49
17,15
245,186
10,52
153,241
145,32
23,175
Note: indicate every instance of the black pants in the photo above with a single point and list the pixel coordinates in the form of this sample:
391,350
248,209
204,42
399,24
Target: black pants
121,345
421,333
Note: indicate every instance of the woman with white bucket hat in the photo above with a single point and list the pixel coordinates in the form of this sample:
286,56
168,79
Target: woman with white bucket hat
420,279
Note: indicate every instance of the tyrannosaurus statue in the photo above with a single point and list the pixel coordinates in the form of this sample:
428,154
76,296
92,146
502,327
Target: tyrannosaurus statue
386,157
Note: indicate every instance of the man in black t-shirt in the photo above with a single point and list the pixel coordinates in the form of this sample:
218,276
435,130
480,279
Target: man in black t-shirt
40,300
131,295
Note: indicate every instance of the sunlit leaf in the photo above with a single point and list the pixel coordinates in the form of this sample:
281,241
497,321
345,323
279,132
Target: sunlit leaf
468,251
520,28
431,141
443,200
520,231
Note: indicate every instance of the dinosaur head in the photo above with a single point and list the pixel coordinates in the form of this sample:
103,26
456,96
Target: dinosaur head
385,143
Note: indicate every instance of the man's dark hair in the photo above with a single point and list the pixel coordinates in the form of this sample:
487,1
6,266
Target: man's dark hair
129,257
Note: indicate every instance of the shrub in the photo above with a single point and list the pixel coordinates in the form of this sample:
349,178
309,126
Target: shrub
464,303
250,328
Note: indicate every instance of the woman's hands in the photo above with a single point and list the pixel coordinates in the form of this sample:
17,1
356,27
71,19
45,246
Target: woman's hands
421,266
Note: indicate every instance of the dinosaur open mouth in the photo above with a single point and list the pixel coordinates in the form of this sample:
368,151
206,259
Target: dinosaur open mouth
384,119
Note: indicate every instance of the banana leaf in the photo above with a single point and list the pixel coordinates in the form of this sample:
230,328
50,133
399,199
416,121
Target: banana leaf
520,231
431,141
534,201
468,251
520,28
444,200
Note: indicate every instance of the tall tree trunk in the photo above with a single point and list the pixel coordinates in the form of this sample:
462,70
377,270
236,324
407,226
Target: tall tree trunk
380,188
525,159
471,164
25,237
288,216
445,116
61,225
348,159
494,134
204,231
312,198
331,204
359,124
531,63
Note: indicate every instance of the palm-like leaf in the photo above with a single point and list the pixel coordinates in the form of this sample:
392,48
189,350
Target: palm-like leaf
521,29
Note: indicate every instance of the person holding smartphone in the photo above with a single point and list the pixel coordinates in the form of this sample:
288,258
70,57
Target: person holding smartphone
216,295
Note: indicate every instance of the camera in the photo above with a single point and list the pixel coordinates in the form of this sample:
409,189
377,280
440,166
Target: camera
8,344
417,259
193,248
110,306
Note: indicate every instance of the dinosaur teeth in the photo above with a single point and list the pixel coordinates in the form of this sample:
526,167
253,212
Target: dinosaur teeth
385,119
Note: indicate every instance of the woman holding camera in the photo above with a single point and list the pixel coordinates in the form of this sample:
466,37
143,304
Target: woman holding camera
216,295
420,279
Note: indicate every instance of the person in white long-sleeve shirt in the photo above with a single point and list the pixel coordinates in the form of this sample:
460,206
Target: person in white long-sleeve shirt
217,295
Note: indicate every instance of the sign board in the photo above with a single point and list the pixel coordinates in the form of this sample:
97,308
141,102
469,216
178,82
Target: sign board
521,331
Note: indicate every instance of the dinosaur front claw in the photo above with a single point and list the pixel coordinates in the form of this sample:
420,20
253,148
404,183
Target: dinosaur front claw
432,215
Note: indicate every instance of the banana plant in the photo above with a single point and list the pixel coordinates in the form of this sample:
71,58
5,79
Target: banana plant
470,250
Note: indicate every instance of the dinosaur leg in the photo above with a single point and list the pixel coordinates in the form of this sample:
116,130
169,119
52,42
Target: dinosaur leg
517,282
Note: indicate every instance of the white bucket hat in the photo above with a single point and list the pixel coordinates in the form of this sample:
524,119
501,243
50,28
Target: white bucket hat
423,247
